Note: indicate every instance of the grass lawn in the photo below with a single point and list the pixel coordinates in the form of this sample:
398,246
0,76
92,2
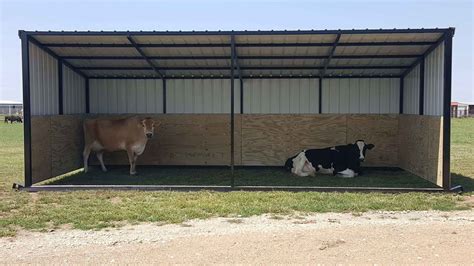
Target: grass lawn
98,209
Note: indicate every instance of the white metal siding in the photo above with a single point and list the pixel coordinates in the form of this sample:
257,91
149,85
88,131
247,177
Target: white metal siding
361,96
281,96
411,92
201,96
43,82
74,92
122,96
434,82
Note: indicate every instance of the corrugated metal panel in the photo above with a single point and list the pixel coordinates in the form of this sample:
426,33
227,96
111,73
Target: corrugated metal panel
43,82
247,51
321,38
381,50
120,73
434,82
74,92
361,96
373,61
170,39
95,51
411,92
281,96
390,37
356,72
82,39
126,96
201,96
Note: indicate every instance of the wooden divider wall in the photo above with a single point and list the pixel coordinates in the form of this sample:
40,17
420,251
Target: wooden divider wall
271,139
186,139
56,145
421,146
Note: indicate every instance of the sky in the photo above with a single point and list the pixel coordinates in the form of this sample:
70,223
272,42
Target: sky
234,15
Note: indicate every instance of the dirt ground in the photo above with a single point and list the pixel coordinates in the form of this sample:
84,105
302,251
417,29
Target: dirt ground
375,237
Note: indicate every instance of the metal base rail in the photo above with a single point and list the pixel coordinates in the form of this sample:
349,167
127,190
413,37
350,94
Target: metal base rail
187,188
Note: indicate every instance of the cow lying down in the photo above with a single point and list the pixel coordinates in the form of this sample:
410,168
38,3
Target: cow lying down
343,160
128,134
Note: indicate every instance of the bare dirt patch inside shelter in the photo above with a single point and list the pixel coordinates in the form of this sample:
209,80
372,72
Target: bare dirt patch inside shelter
374,237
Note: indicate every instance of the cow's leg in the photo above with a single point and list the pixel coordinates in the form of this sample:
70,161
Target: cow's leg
131,160
135,157
85,155
100,156
348,173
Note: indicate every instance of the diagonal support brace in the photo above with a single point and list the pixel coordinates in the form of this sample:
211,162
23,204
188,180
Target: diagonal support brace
140,51
331,54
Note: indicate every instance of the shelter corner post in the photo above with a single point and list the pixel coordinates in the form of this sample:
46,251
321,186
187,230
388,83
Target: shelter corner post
448,52
232,59
25,54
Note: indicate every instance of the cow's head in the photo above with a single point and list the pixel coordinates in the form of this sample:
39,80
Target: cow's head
362,147
149,127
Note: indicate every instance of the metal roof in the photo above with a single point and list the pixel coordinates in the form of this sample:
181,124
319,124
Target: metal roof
208,54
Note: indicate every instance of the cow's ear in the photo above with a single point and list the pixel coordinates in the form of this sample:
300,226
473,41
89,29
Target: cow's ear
157,123
370,146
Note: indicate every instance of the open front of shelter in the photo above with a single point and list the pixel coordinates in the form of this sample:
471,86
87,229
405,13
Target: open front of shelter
238,100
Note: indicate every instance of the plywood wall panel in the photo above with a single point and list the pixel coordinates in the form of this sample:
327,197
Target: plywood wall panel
380,130
271,139
187,139
67,142
40,148
56,145
420,142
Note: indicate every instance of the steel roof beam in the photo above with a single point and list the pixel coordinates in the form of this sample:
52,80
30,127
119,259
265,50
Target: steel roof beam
57,57
248,68
249,77
250,57
258,32
140,51
226,45
235,57
427,52
331,54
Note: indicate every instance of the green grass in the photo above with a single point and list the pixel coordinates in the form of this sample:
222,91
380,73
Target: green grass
462,153
98,209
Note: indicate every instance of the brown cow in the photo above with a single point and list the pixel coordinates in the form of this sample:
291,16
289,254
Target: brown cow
128,134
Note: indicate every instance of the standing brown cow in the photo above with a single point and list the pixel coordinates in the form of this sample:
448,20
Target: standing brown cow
128,134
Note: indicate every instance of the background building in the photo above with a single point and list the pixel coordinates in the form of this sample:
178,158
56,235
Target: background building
10,107
459,109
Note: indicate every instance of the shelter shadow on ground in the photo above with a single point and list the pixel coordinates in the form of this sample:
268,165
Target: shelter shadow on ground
220,176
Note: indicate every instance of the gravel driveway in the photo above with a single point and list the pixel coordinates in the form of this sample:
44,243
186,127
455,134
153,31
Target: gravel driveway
374,237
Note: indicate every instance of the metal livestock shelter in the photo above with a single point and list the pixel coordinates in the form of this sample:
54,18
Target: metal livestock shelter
241,98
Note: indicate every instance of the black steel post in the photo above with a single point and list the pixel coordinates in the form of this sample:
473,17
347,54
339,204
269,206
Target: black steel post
87,96
320,95
241,96
422,87
448,52
402,88
232,61
164,96
25,61
60,87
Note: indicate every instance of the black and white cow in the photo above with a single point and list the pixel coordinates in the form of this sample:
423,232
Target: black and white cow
343,160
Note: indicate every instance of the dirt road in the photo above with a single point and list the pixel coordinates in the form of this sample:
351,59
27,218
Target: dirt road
376,237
